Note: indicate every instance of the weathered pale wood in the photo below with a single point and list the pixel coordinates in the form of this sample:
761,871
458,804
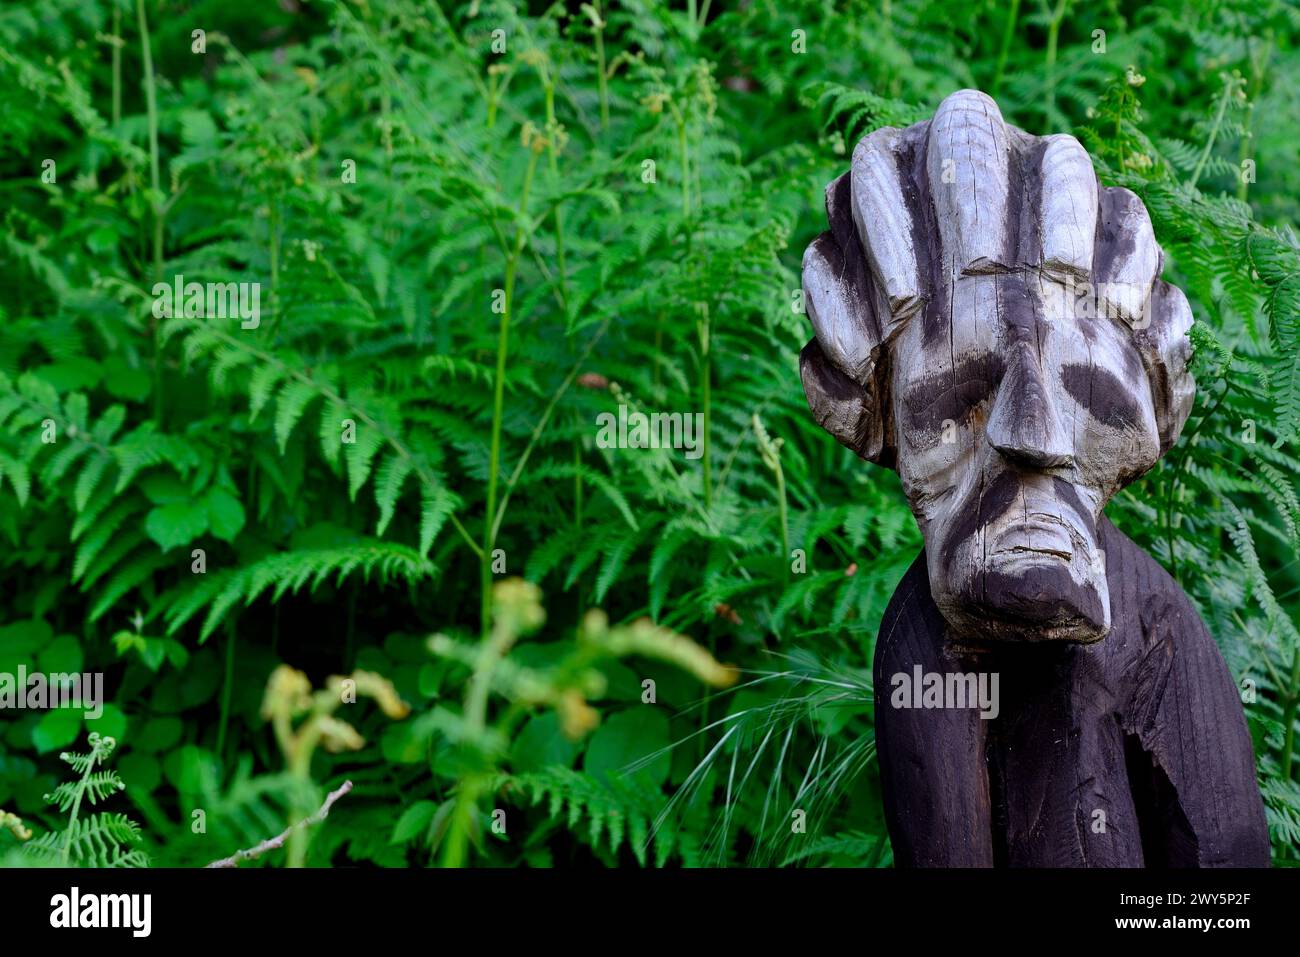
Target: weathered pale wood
843,321
1131,260
968,165
1165,336
1068,208
990,322
879,207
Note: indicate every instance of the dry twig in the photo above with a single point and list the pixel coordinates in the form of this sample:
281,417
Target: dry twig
272,843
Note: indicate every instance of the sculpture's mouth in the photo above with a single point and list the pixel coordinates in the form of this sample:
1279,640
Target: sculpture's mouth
1042,601
1038,538
1035,578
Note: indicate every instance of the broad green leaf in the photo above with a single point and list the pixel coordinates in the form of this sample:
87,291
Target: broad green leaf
57,729
628,737
176,523
414,821
225,514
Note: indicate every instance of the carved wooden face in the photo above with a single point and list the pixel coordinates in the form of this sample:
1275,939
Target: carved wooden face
1014,426
992,324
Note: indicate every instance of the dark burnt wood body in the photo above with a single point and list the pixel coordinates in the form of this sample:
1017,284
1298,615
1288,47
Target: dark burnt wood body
1145,725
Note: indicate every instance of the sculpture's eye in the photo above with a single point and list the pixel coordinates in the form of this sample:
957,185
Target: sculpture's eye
951,395
1108,400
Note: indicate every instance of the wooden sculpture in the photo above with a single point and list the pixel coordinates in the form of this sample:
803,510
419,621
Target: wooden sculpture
991,323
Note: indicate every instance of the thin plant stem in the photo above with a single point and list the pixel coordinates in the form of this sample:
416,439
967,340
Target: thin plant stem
117,66
300,771
456,847
1013,14
155,183
226,691
1288,715
552,140
498,400
659,350
1258,70
541,427
273,253
1053,36
491,649
577,484
66,853
1228,87
602,80
577,515
706,374
684,147
495,90
785,519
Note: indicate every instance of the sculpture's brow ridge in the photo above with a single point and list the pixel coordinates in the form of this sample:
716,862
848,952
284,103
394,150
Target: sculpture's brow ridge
1107,399
952,395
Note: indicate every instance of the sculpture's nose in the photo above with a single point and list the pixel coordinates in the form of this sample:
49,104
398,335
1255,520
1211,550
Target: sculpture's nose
1023,425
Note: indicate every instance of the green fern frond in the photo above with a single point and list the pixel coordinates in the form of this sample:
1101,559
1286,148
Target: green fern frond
96,840
291,571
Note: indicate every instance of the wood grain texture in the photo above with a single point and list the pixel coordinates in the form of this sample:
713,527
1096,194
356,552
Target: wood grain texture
968,168
1145,726
1068,208
1131,258
836,290
880,208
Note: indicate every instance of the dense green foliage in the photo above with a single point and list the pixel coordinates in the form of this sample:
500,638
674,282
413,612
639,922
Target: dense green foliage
466,253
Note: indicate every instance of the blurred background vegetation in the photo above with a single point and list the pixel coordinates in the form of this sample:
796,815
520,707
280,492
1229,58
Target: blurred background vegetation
476,227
